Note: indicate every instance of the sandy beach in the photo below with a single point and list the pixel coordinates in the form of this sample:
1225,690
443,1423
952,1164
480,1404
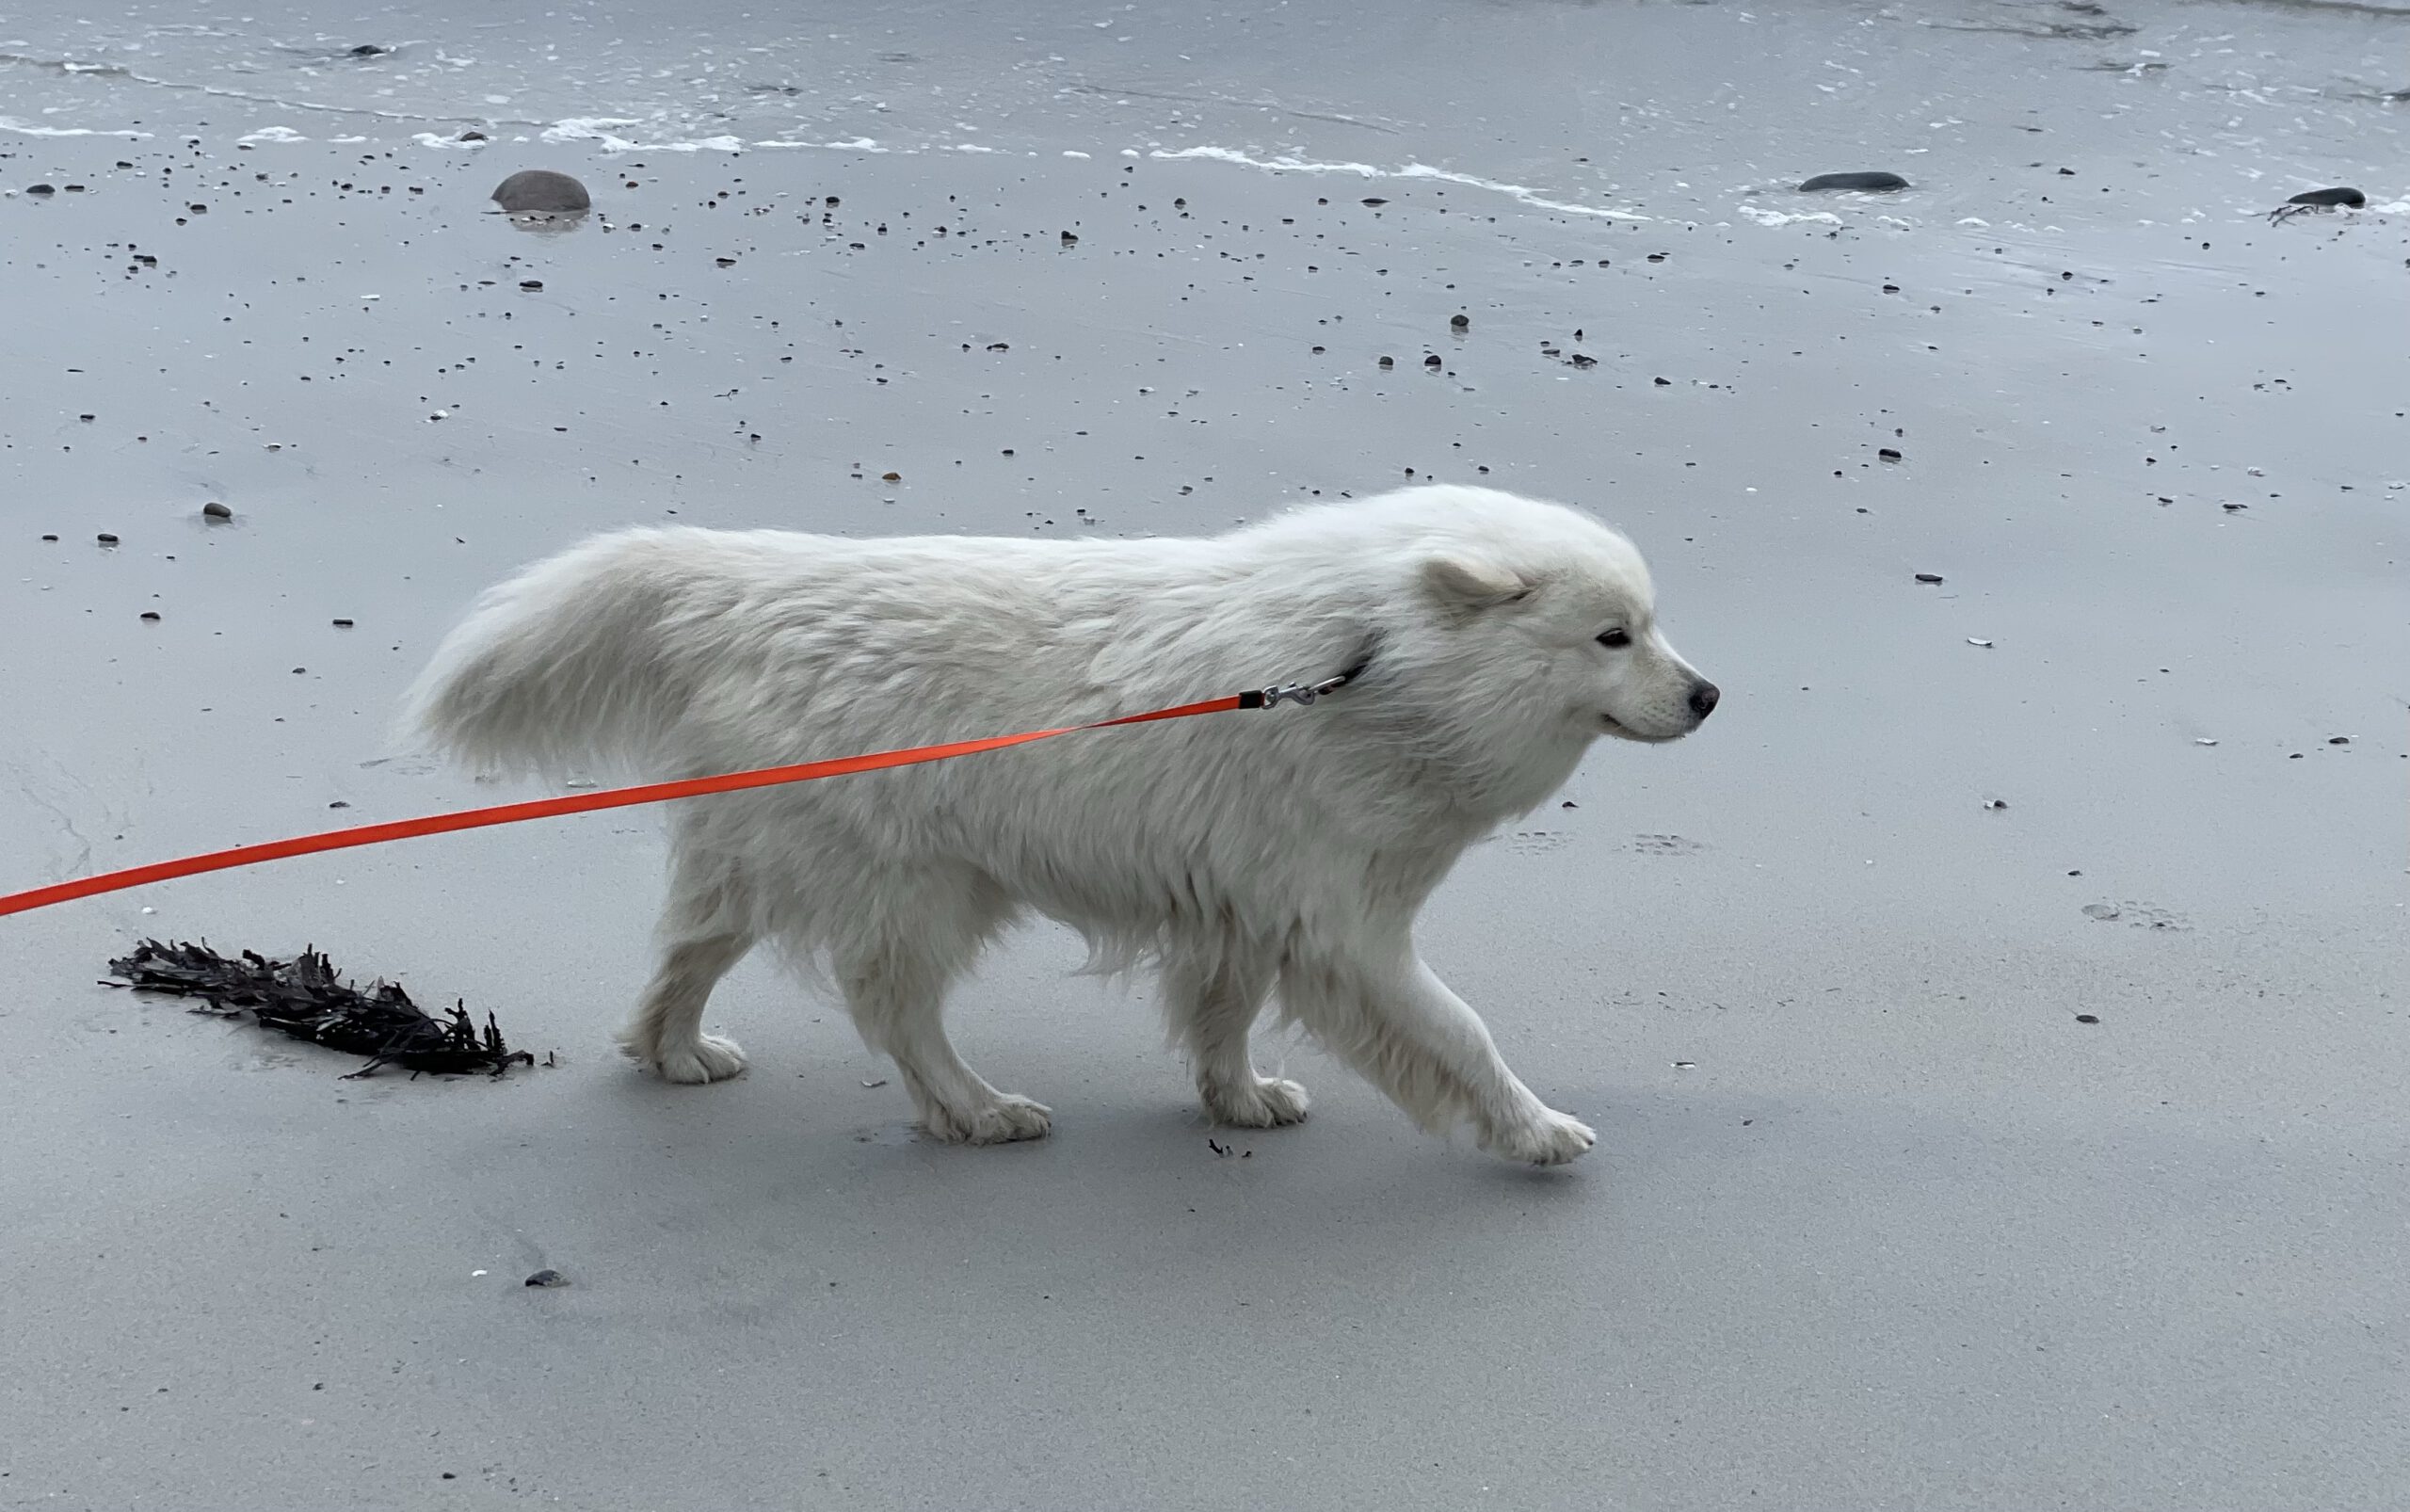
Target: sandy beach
1876,1220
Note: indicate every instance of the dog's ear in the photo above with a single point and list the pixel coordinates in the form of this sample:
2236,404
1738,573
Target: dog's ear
1464,583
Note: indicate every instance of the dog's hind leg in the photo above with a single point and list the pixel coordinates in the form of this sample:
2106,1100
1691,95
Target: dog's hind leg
895,982
705,930
1394,1020
1212,1003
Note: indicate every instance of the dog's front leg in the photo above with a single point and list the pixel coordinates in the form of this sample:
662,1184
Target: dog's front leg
1397,1023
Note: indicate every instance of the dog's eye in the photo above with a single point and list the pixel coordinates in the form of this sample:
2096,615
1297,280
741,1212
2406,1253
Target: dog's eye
1616,637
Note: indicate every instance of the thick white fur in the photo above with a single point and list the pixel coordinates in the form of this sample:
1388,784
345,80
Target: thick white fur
1240,854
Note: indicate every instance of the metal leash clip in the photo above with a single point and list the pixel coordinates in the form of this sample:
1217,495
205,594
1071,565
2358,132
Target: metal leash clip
1303,692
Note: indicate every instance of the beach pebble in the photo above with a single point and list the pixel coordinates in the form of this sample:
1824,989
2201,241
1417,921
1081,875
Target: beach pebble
1888,454
2352,198
1854,181
214,511
1460,322
548,1276
40,188
2087,1017
1928,577
542,190
108,538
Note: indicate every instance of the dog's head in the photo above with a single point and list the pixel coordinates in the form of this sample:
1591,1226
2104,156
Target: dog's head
1559,609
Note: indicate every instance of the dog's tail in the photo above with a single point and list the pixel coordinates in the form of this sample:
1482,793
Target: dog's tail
561,669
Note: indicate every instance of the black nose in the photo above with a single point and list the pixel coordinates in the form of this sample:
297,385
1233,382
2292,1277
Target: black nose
1703,700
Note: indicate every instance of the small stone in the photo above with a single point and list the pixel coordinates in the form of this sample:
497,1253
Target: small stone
2203,740
540,190
1854,181
1389,361
1984,644
1432,361
1460,322
214,511
724,262
40,189
890,477
343,624
1994,803
2338,740
1069,239
1888,454
1928,577
547,1277
370,50
1376,202
532,285
151,614
472,137
106,539
1663,382
2087,1017
1581,360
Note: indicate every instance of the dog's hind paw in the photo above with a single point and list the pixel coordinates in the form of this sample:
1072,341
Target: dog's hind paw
1270,1104
709,1058
1550,1139
1001,1122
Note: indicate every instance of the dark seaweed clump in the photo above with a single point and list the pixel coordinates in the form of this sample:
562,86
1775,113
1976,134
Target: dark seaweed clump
307,998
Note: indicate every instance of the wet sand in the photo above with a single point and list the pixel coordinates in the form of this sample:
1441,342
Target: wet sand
1875,1220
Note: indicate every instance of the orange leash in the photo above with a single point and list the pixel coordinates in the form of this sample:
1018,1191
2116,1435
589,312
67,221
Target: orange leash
620,798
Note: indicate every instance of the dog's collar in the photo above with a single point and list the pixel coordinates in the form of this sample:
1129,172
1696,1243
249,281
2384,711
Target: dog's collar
1305,692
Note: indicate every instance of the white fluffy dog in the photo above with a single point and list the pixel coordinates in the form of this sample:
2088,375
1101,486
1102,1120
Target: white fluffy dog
1488,639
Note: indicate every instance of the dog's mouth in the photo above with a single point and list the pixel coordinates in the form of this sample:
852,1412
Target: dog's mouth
1622,731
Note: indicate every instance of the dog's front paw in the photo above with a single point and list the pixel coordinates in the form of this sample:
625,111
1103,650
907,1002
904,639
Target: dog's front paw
1547,1137
1269,1103
1001,1122
709,1058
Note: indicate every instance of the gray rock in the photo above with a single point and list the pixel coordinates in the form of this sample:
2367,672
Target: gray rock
540,190
1854,181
